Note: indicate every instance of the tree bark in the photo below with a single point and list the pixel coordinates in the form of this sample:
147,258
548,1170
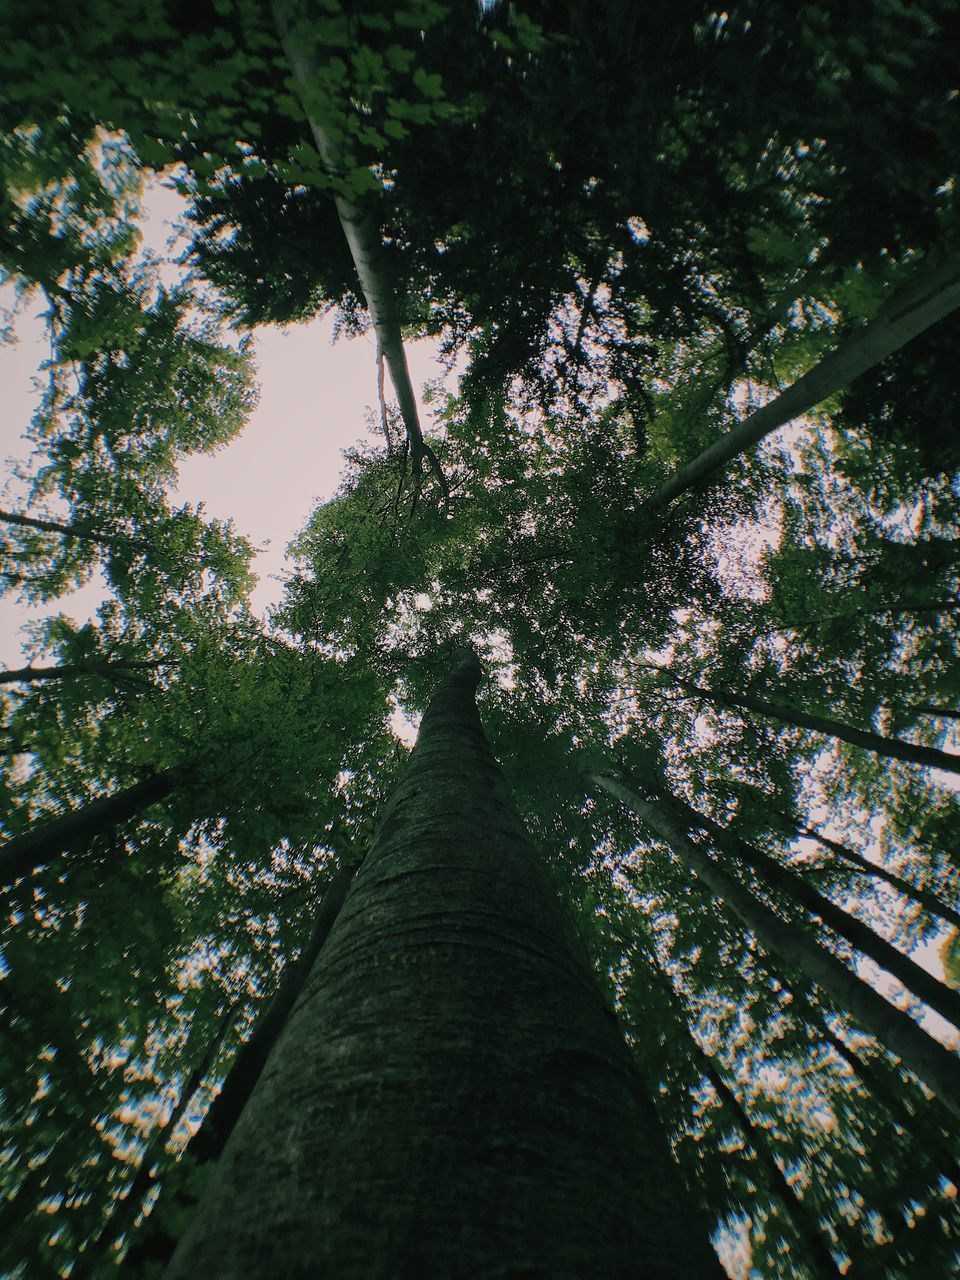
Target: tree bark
926,1057
451,1096
154,1245
936,995
930,294
893,748
71,831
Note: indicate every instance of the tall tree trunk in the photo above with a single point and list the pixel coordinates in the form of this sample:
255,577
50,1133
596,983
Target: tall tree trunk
929,901
929,295
942,998
893,748
926,1057
125,1211
922,1127
227,1107
361,232
154,1245
118,671
801,1213
71,831
451,1094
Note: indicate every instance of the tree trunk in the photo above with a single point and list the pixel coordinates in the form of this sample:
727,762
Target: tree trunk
893,748
800,1211
922,1128
363,238
227,1107
71,831
451,1095
932,293
935,994
803,1216
926,1057
926,899
126,1210
154,1245
932,709
54,526
118,671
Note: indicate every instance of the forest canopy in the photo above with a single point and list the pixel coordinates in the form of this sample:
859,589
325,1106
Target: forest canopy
694,502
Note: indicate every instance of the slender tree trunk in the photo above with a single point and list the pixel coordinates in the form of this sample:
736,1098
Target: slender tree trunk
802,1215
800,1212
923,1128
117,671
126,1210
451,1096
362,235
931,709
930,294
924,897
53,526
926,1057
70,832
893,748
227,1107
154,1245
942,998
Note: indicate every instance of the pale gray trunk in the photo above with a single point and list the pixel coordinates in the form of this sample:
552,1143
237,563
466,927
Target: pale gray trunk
451,1095
931,293
929,1060
360,229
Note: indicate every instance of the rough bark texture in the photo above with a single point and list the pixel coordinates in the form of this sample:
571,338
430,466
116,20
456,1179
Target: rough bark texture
70,832
936,1066
451,1096
932,293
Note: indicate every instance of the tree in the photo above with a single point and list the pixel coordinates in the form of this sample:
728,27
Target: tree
690,240
470,1042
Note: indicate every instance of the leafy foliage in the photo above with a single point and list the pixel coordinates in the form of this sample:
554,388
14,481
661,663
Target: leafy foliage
630,261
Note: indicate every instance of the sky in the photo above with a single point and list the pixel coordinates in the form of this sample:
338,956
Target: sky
313,397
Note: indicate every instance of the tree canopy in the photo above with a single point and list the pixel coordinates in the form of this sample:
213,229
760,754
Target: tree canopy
694,500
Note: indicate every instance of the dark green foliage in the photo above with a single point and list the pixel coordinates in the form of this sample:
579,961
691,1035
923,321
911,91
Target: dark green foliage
637,223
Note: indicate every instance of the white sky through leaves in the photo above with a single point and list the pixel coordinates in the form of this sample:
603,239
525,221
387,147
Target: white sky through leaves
313,397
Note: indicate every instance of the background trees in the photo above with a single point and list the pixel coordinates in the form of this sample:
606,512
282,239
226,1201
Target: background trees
638,226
